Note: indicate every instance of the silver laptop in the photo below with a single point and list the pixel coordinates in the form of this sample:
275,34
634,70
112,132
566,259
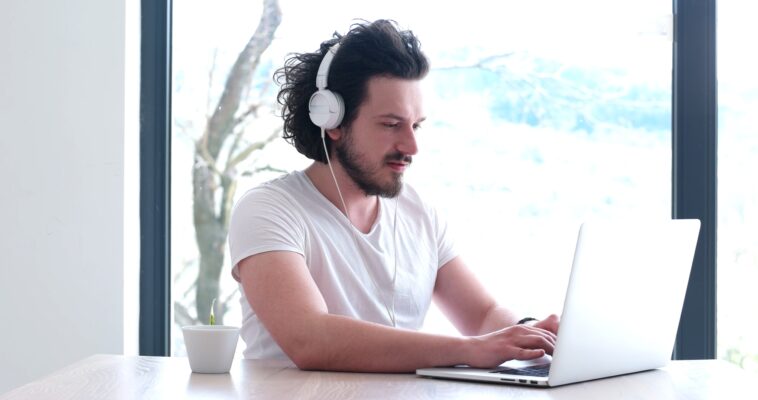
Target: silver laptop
622,307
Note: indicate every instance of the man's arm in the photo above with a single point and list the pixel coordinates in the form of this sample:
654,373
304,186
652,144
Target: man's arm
468,305
280,289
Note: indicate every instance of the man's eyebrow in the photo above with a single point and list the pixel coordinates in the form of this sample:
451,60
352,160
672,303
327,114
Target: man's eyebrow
398,117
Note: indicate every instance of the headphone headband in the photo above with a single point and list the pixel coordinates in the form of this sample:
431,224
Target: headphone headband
323,68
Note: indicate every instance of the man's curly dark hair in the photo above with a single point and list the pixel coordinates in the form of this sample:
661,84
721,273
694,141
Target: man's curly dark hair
367,50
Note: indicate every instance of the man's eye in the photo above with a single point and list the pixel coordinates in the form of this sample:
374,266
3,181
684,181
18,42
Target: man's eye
390,124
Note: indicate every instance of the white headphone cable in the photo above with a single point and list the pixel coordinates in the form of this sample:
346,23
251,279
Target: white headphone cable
390,312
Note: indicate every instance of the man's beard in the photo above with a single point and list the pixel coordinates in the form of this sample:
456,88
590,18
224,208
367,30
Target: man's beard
364,175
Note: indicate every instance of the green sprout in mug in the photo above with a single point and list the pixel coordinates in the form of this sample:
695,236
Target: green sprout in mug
213,317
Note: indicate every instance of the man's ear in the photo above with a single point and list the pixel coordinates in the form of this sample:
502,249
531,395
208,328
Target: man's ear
334,134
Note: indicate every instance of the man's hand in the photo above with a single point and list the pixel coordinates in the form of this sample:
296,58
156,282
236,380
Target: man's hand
550,323
520,342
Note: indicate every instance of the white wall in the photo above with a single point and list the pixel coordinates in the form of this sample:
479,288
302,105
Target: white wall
62,115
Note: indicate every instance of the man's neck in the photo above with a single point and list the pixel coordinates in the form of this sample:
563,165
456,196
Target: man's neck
362,209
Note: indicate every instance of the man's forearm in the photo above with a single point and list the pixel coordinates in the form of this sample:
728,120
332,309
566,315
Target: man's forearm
497,318
338,343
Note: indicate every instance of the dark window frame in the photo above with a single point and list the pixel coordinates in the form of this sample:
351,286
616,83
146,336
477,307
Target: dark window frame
694,140
155,179
694,162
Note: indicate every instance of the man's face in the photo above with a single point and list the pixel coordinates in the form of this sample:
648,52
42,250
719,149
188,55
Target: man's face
380,143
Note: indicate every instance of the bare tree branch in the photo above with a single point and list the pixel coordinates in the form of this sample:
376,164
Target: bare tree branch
266,168
208,96
208,161
211,209
242,155
252,110
181,128
182,316
233,148
222,120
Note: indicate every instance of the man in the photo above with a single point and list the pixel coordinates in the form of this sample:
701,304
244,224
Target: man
339,263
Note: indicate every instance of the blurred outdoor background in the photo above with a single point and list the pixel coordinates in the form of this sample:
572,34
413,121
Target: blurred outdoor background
541,115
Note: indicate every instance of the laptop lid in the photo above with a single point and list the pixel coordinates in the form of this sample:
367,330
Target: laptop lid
624,298
622,305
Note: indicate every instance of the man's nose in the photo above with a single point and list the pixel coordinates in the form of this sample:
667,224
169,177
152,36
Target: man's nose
407,141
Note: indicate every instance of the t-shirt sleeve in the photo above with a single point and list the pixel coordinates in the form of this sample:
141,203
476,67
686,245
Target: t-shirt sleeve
264,220
446,249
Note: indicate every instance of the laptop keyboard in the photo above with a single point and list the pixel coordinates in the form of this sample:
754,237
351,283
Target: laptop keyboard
535,370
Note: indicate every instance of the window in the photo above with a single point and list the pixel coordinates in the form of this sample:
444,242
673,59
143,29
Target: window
537,104
536,123
738,196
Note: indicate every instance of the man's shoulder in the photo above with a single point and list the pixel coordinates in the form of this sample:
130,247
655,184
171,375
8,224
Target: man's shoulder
287,185
276,192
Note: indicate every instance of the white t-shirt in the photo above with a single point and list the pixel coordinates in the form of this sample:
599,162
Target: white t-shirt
290,214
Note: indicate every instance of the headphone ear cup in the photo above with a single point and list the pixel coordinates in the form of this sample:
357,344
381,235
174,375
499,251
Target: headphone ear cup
326,109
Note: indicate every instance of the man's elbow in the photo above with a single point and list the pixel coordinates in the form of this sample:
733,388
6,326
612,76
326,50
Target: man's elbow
307,360
305,355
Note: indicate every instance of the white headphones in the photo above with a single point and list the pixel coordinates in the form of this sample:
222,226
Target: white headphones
325,107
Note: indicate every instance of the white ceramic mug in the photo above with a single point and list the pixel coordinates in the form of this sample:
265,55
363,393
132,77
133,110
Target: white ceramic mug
210,348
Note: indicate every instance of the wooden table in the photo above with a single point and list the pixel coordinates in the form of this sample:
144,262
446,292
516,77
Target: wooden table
122,377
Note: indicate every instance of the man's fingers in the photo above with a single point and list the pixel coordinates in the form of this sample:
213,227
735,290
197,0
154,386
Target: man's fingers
537,342
529,354
534,339
551,323
533,330
520,342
